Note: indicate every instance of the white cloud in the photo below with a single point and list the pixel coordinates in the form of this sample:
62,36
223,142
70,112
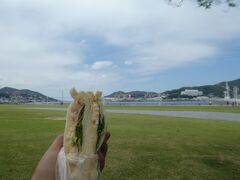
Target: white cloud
45,43
101,64
128,62
162,57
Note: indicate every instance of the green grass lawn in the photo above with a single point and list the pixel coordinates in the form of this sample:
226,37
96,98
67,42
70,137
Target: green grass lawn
141,147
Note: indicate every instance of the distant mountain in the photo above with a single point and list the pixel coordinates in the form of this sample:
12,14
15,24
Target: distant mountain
8,94
133,94
216,90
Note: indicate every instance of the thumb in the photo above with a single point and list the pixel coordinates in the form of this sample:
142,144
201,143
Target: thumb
57,143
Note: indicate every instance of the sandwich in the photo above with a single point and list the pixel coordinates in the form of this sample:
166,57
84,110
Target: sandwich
83,135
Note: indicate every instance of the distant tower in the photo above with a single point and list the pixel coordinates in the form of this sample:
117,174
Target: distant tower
226,93
235,92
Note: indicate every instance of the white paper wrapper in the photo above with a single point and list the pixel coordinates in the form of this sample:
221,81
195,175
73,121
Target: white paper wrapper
80,169
61,166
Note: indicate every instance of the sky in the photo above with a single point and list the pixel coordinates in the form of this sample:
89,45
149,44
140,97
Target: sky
51,46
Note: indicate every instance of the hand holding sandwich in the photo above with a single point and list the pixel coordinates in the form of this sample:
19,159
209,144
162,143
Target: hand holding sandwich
46,168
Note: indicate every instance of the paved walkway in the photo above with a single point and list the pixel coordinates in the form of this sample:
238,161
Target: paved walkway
186,114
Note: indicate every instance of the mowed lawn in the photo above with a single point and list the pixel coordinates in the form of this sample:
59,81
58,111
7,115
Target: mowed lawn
141,147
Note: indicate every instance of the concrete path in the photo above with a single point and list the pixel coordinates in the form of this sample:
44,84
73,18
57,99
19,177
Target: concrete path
186,114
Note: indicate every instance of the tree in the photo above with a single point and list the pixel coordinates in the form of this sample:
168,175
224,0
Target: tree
207,3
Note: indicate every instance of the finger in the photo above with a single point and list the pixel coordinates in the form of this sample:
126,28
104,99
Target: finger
57,143
101,160
106,137
104,149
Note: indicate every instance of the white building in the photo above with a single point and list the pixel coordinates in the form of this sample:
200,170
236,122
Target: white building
191,92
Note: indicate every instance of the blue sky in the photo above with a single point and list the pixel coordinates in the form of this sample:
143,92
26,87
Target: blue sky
51,45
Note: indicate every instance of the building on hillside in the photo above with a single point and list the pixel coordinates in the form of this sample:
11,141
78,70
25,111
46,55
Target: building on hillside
123,96
191,92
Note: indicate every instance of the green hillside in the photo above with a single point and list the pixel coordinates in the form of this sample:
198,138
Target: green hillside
216,90
22,95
